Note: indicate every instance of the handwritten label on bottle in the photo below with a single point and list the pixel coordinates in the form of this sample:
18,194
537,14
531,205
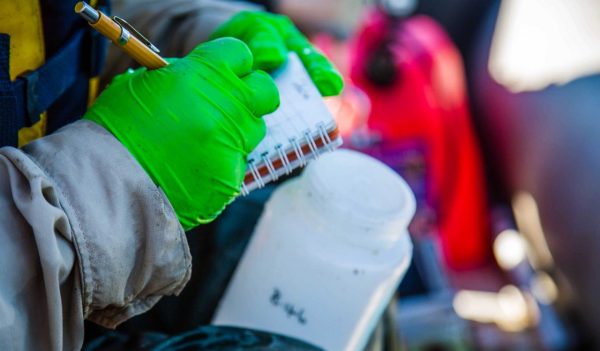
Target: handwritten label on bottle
289,308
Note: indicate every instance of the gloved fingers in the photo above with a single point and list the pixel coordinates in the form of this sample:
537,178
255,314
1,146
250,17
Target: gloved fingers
268,48
259,31
270,37
263,96
252,130
231,52
235,27
325,76
260,95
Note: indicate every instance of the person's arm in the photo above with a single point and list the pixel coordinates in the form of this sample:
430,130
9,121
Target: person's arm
84,233
92,217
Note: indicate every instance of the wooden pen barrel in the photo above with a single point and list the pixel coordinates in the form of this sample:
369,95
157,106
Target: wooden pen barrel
133,47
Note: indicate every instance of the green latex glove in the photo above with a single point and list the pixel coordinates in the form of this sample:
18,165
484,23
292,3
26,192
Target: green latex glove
192,124
270,37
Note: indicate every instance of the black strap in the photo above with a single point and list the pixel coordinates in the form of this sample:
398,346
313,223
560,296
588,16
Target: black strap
37,90
10,120
22,101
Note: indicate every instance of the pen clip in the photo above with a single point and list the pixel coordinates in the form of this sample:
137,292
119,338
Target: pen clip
137,34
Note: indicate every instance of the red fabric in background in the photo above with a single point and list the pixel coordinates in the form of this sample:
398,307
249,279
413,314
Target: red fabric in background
427,106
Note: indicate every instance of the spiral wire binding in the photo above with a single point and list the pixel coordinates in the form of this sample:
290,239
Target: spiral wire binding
287,165
245,189
314,150
267,160
298,151
324,136
256,174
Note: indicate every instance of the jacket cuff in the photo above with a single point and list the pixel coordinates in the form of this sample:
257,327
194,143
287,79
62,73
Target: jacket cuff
130,246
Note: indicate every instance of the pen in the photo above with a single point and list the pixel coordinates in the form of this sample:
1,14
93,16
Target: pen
123,35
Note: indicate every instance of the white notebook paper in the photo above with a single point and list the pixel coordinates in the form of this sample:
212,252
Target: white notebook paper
301,129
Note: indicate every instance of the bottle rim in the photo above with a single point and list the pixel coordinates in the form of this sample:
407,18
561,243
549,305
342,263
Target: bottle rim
362,220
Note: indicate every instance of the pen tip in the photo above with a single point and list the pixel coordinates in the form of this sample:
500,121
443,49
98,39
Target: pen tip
79,7
87,12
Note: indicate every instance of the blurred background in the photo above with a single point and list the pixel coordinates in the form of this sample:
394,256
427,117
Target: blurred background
491,112
488,109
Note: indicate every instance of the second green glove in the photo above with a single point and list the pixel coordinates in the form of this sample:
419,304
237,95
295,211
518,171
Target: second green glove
270,37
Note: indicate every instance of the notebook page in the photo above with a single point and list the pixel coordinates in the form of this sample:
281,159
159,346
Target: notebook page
301,109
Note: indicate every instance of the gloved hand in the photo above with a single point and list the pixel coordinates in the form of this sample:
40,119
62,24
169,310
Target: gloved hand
270,37
191,124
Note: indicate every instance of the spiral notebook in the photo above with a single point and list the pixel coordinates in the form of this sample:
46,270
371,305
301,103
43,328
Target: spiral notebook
301,129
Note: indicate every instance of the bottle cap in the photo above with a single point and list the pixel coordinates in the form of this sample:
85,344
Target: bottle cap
359,197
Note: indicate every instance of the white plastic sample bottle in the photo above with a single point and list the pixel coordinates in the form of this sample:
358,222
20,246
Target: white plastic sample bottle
327,254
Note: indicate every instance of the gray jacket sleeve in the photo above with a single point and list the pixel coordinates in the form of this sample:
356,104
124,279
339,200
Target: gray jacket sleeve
84,233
